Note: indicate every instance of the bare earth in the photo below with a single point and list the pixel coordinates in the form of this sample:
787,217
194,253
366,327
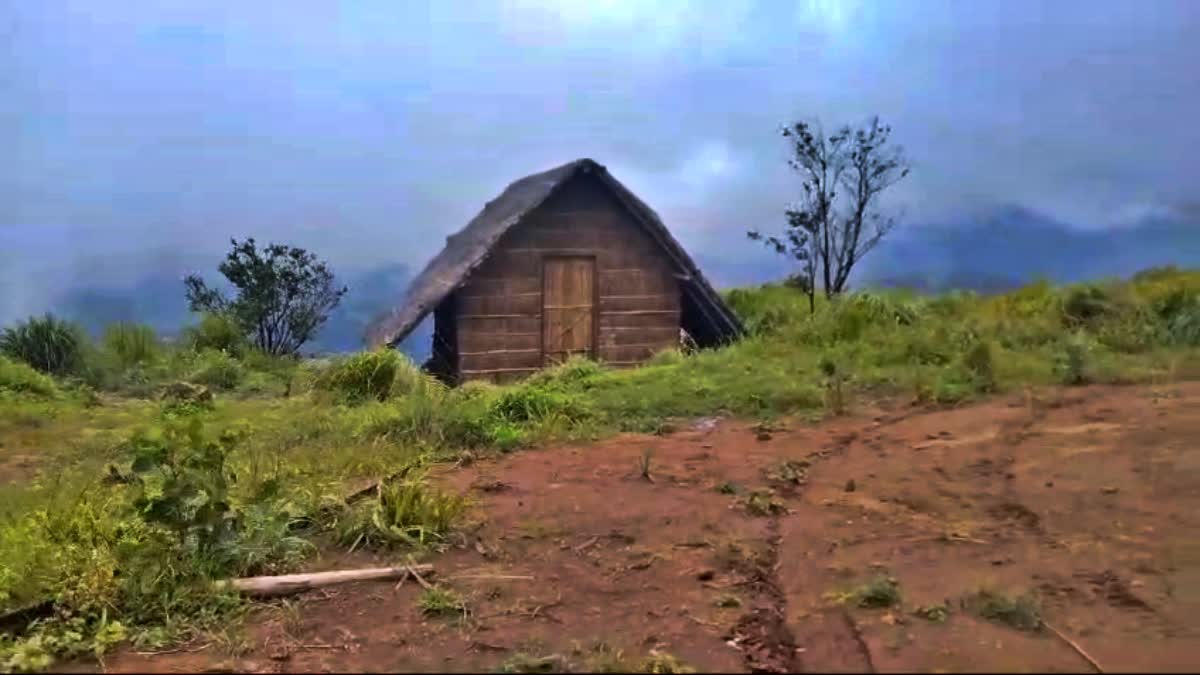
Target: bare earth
1089,498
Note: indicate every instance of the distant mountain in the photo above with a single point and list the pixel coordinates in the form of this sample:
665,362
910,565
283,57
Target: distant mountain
1014,246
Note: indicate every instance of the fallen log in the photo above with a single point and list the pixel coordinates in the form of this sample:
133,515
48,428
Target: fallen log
288,584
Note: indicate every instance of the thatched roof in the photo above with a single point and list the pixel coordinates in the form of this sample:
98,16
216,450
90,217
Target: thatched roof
706,317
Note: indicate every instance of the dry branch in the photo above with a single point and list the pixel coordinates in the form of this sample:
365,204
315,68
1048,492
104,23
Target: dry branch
1073,645
296,583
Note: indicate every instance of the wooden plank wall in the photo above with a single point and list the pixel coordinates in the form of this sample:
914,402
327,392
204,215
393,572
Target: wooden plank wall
499,309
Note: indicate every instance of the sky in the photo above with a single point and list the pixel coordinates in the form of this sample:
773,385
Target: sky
142,135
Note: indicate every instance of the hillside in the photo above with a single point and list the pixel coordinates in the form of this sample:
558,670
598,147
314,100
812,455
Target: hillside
124,494
998,252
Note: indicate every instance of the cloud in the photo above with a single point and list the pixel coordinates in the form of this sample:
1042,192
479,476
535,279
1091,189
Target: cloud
367,131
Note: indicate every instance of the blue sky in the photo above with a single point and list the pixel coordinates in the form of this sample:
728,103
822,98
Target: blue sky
143,135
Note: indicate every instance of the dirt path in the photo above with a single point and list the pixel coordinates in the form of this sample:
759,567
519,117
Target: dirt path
1088,498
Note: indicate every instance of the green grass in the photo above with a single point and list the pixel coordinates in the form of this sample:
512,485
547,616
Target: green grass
307,432
1020,612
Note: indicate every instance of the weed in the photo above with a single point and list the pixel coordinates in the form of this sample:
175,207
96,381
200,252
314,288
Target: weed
763,503
442,602
881,591
1021,612
980,363
524,663
934,613
46,343
835,381
131,343
19,378
728,601
218,332
644,463
1071,364
408,511
367,376
662,662
729,488
217,369
794,471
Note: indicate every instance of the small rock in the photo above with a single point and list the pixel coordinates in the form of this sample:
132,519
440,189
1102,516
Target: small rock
1049,483
763,436
1109,490
706,575
850,486
1010,476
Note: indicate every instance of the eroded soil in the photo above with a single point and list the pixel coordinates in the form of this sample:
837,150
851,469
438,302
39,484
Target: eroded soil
1088,498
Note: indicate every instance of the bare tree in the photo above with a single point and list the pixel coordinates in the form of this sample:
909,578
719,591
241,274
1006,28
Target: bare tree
837,221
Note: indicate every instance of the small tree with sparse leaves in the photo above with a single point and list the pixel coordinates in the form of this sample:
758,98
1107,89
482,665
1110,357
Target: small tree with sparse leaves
837,220
284,294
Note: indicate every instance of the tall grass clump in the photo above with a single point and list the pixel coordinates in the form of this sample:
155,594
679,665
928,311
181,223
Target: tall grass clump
131,344
19,378
408,511
219,332
46,343
372,375
216,369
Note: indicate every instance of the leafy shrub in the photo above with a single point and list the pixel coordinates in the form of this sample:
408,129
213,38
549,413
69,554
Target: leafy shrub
1085,304
46,343
19,378
1071,362
217,369
181,483
370,375
216,331
980,364
131,343
1182,323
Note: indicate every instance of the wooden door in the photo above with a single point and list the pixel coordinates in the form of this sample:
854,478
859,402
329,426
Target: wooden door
568,308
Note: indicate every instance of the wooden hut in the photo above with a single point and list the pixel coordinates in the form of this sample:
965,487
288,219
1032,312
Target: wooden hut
563,262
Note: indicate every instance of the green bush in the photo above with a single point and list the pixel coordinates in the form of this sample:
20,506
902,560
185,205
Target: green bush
373,375
48,344
1182,325
979,362
131,343
19,378
1071,362
1085,304
217,369
219,332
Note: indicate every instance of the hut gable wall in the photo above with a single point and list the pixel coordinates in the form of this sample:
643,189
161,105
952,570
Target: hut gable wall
499,308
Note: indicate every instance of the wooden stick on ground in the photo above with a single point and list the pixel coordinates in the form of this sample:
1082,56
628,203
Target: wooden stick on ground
296,583
1072,644
415,571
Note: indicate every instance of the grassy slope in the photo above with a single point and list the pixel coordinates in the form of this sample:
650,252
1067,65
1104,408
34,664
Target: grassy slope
64,533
